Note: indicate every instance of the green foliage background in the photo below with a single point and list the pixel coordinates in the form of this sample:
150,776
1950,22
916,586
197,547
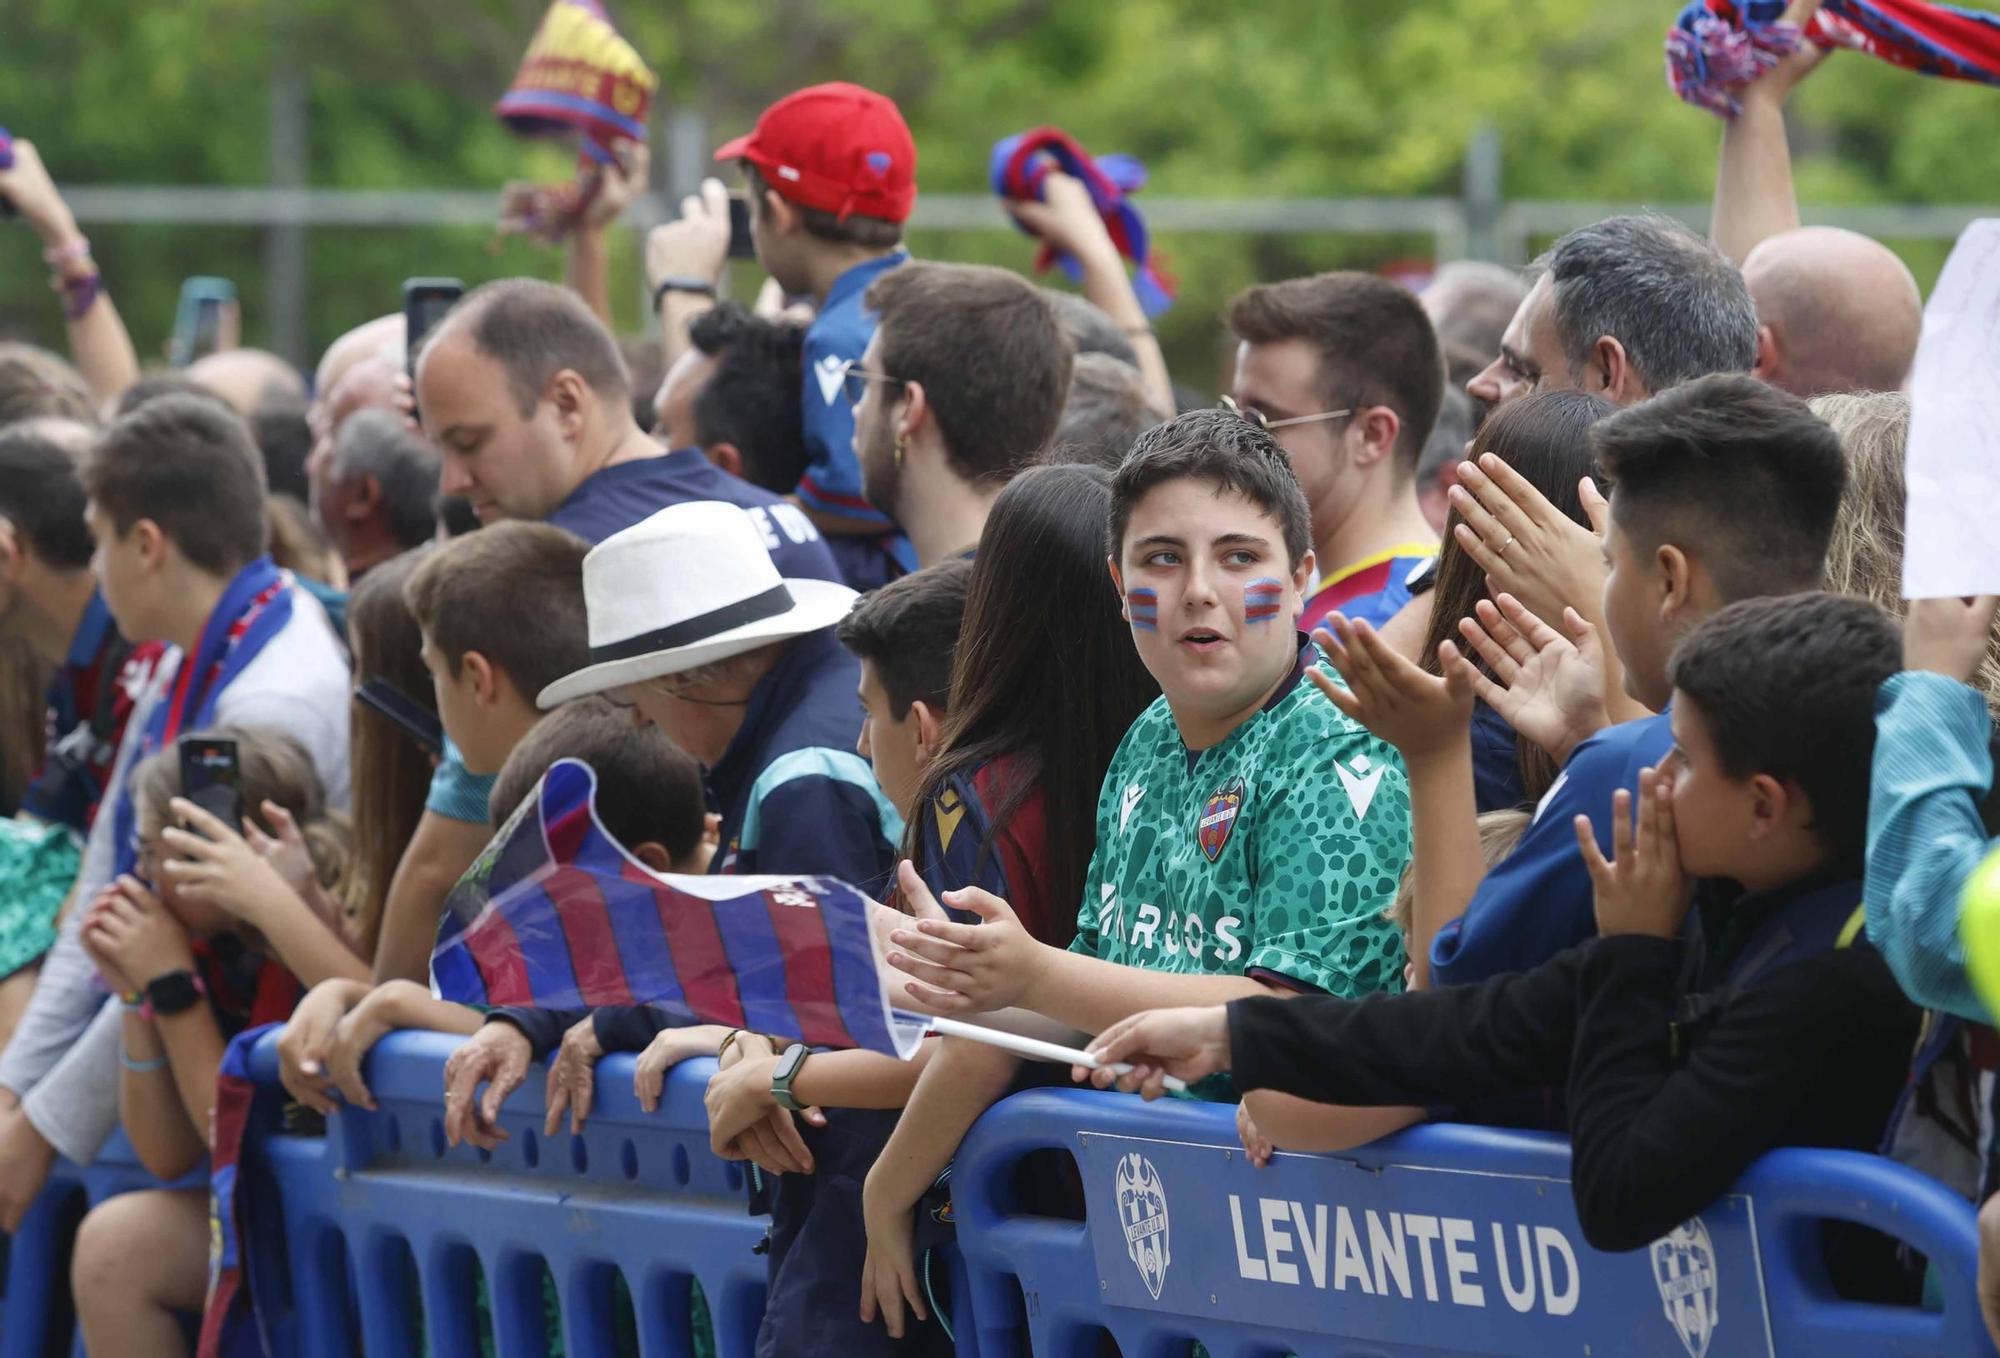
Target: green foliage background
1277,98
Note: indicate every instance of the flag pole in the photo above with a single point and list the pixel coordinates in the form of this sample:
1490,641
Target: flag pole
1035,1049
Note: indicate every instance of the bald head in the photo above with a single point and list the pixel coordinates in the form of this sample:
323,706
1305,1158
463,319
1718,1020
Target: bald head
249,379
381,337
1836,311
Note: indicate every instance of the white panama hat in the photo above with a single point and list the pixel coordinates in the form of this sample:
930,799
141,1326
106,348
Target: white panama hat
688,586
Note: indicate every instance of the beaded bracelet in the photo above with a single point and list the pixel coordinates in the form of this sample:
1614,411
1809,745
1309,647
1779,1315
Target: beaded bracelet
58,255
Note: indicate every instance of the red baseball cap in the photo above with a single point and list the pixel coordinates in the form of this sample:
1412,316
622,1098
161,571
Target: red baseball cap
837,148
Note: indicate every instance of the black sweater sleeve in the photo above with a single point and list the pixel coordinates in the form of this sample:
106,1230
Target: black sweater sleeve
1809,1054
544,1028
1428,1047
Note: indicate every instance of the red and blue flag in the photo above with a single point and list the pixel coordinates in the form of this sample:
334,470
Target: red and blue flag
555,914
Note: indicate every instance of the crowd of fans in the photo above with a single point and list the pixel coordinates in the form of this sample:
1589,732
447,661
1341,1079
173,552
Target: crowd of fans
1498,707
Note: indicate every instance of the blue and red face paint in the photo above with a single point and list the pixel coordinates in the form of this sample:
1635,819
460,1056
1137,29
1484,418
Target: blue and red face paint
1143,607
1262,599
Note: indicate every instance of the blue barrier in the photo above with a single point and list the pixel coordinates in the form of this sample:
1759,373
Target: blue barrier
380,1208
1441,1239
36,1317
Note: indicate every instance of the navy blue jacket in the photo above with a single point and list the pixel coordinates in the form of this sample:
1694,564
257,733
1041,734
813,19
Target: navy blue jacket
1537,901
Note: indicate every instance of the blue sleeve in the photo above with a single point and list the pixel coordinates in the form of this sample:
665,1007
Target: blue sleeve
819,811
544,1028
456,792
1925,837
1537,900
832,483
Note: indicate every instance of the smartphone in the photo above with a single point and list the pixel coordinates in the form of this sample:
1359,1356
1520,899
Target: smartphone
415,720
198,318
425,301
211,778
740,244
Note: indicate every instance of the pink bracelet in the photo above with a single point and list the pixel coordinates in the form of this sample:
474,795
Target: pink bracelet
57,256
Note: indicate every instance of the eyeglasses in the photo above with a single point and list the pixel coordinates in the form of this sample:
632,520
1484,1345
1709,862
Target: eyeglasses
1267,424
854,380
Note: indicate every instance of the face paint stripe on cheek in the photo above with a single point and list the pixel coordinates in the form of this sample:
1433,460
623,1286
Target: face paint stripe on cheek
1144,606
1262,598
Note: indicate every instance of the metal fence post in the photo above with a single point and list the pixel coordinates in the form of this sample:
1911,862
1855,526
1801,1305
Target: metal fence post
1482,194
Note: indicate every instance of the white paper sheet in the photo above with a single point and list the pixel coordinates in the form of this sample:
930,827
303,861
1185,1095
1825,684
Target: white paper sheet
1951,543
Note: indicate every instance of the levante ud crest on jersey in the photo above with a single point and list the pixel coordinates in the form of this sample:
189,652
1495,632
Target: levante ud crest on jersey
1218,818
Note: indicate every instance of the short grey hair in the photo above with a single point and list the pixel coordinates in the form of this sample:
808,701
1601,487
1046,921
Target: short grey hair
1107,410
1675,301
377,443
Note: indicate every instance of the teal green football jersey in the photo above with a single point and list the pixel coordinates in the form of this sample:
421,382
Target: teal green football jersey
1278,850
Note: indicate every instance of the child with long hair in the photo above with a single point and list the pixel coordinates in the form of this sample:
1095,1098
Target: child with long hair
211,941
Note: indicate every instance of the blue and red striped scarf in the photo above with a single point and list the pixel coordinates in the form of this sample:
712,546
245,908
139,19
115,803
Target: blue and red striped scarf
230,1327
1718,46
1020,163
253,609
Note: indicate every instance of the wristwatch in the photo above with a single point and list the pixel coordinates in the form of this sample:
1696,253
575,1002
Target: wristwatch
700,287
176,992
784,1073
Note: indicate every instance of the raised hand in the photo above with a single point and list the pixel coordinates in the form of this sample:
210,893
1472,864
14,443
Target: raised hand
1548,686
696,245
1949,636
1642,890
1417,712
613,187
211,862
1526,546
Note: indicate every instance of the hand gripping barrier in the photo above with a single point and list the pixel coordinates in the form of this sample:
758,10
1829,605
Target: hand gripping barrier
35,1313
380,1215
1439,1240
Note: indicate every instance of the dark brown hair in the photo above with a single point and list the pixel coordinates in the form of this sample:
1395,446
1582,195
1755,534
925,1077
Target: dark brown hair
188,465
1217,446
908,630
1052,688
989,353
648,789
1546,438
512,592
1736,473
391,772
870,233
1376,346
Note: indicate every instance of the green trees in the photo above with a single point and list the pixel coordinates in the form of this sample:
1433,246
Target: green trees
1281,98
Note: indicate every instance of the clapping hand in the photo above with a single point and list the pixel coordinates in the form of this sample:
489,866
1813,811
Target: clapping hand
1549,687
1419,713
1527,547
1642,890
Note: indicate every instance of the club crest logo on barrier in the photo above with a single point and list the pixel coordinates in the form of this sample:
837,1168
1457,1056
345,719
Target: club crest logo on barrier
1142,1212
1218,818
1684,1270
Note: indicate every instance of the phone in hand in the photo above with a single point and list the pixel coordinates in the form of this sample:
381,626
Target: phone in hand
198,318
741,246
425,302
415,720
212,778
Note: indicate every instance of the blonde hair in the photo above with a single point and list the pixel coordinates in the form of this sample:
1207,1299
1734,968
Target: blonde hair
1499,832
1865,558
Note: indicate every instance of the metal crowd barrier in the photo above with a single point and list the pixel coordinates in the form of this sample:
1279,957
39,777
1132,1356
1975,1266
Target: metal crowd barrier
379,1239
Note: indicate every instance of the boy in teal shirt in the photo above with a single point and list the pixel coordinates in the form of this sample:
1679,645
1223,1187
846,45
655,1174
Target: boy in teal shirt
1249,834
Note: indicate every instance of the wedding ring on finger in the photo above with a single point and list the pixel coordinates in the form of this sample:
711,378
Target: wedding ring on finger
1502,553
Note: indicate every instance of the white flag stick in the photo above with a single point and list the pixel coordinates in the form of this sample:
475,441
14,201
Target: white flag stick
1035,1049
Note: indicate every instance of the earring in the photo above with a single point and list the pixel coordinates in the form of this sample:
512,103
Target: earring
902,447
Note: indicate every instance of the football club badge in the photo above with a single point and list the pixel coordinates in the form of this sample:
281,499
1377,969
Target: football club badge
1218,818
1684,1270
1142,1214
